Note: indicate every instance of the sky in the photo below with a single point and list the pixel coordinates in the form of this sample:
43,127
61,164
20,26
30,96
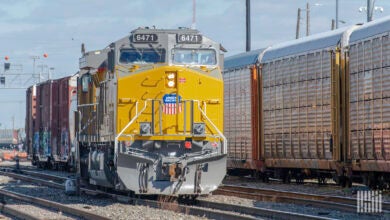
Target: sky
32,28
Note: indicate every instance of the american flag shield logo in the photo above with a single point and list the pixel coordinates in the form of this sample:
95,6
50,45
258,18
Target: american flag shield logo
170,104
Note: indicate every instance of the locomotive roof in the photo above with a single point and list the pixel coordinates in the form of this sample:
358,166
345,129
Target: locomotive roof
162,31
314,42
371,29
242,59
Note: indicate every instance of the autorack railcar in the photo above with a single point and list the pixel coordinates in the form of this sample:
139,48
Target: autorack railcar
322,107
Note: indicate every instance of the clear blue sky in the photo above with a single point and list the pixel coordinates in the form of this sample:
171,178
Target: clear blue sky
34,27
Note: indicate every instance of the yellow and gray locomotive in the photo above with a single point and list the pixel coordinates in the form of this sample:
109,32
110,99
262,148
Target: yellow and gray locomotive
150,113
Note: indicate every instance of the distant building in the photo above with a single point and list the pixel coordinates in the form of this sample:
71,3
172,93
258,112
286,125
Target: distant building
11,137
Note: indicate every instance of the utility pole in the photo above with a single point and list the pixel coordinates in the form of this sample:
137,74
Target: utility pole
370,9
193,26
298,23
337,14
248,25
307,19
34,59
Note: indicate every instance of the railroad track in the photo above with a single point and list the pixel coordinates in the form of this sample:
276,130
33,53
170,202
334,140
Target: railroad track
47,204
322,201
214,210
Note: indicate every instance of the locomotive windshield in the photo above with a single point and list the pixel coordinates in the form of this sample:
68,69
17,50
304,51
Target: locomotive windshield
142,55
194,56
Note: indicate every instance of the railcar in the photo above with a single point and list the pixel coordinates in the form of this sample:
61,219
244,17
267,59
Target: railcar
150,113
50,122
367,116
30,118
319,110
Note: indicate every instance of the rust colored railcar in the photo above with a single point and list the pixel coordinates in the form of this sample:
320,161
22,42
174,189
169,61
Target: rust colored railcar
30,118
241,112
66,105
46,122
52,132
301,105
368,103
324,107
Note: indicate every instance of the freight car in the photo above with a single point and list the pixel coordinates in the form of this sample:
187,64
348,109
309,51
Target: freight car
30,118
50,122
313,104
150,113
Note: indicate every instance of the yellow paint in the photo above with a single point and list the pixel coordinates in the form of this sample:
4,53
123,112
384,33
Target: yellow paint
190,84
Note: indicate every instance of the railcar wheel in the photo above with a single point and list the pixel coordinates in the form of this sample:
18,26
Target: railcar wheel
300,178
287,177
322,180
265,177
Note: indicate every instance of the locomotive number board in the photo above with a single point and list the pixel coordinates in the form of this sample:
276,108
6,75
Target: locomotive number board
145,38
189,38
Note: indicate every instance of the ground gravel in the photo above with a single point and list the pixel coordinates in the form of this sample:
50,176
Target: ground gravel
115,210
309,187
306,188
102,206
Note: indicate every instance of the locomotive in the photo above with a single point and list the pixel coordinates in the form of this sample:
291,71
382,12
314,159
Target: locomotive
150,114
144,114
315,107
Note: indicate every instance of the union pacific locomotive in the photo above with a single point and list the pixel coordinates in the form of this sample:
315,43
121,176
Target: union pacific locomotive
149,115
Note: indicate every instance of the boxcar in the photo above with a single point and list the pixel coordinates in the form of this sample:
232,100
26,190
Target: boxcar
30,118
52,132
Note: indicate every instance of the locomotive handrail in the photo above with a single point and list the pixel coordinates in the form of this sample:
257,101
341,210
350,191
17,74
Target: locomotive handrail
128,125
214,126
203,112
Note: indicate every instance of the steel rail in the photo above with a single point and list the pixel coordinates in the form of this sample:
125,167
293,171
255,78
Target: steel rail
6,209
249,211
261,212
198,211
331,202
52,205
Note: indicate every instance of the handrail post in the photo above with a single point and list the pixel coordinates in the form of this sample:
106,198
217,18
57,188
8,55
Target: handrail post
224,149
116,150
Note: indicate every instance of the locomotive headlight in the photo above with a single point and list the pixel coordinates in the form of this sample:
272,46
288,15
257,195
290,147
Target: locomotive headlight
171,79
171,75
171,84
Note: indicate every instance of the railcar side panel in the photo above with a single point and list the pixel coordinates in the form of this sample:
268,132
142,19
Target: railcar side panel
30,118
241,119
369,99
297,107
